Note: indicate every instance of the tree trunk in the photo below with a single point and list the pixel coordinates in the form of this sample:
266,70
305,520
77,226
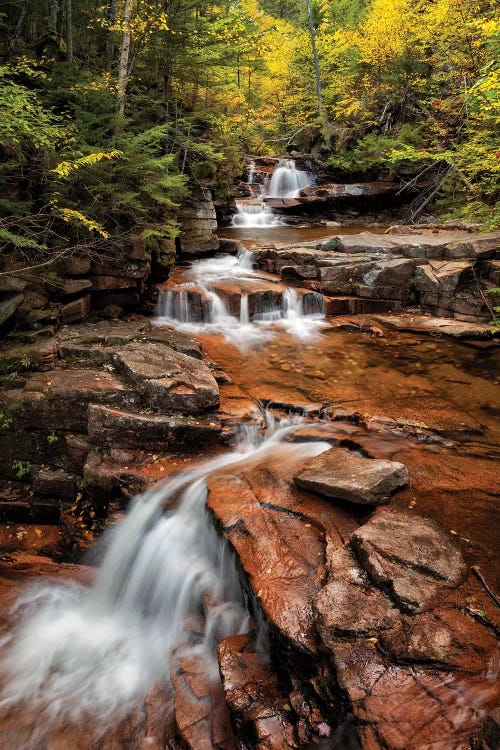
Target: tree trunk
53,10
319,90
111,12
124,58
69,31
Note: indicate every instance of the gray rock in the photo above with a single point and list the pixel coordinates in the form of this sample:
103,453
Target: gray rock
170,380
340,474
9,305
410,556
122,429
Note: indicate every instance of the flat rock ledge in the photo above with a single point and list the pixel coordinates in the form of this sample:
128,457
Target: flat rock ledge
410,557
340,474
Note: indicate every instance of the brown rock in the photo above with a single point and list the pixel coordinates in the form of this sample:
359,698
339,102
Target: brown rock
9,305
77,310
345,609
253,695
201,715
409,556
74,286
55,483
447,638
339,474
490,731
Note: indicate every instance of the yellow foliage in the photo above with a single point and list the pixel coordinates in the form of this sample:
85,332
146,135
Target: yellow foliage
65,168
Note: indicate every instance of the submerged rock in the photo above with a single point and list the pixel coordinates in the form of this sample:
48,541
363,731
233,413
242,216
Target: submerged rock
340,474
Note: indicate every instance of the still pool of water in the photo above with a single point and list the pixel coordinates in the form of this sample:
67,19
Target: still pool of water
292,234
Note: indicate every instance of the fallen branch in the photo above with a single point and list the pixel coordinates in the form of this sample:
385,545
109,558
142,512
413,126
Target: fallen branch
481,578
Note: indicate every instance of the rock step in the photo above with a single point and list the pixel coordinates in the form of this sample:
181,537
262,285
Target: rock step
127,429
347,305
32,511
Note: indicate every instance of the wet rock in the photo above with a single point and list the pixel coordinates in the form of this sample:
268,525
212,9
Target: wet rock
409,556
253,695
345,609
169,380
131,430
340,474
113,475
201,715
447,638
409,707
437,326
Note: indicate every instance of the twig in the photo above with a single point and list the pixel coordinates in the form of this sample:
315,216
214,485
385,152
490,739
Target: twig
481,578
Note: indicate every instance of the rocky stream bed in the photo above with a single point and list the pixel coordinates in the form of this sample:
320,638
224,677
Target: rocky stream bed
369,569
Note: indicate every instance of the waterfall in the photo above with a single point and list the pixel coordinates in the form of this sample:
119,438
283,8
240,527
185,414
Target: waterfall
80,654
287,181
244,313
251,173
255,214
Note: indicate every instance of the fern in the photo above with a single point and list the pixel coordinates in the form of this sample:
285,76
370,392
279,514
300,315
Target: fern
20,241
66,168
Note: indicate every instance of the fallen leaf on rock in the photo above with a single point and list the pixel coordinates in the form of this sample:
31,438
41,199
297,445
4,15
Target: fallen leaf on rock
324,729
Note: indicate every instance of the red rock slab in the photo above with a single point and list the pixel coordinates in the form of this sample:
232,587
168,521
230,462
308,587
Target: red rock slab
201,715
410,707
278,554
253,695
448,638
461,492
409,556
278,535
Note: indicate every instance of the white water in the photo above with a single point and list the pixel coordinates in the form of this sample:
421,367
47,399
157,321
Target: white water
286,182
196,307
255,214
82,654
225,267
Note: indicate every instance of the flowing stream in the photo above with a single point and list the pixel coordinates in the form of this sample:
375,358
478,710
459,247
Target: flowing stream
200,304
79,653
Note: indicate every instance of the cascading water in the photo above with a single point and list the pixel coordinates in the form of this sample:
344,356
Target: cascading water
197,307
81,654
287,181
255,214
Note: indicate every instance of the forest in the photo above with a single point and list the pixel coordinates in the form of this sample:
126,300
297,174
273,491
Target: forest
111,112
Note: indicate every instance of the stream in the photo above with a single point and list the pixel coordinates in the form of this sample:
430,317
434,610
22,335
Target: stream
169,584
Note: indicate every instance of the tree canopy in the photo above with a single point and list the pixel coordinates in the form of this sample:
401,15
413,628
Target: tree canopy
111,111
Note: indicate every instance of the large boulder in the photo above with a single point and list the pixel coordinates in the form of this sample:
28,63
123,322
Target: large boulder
338,473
